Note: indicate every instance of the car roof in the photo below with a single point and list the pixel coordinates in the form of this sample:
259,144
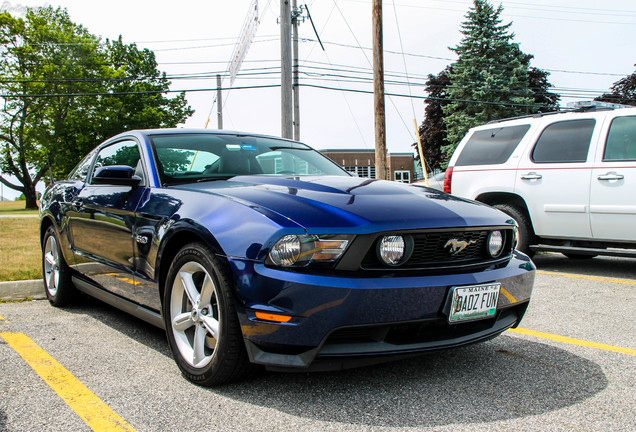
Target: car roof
170,131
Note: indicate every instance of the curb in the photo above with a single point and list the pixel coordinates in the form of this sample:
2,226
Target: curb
21,290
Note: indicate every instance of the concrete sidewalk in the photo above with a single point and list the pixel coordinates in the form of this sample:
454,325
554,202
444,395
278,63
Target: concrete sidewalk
21,290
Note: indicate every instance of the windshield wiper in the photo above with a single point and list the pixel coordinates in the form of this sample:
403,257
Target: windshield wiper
211,179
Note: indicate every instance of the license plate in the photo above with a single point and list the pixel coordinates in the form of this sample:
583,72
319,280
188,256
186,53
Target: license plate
473,302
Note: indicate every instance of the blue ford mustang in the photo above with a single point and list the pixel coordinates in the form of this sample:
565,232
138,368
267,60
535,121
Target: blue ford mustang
253,250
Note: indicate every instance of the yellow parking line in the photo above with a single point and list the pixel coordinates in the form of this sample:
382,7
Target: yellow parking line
3,319
573,341
507,295
602,279
97,415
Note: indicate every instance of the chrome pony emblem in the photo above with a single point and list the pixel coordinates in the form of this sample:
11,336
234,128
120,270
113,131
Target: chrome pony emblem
456,246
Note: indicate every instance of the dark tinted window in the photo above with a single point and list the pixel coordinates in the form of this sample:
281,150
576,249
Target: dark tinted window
492,146
564,142
621,140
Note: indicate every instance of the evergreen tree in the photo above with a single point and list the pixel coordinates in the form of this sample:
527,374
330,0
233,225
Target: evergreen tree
433,128
489,79
622,92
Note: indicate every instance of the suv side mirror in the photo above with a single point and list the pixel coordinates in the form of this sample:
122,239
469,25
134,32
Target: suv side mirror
120,175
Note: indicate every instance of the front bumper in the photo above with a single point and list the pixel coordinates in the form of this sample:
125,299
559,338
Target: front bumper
342,321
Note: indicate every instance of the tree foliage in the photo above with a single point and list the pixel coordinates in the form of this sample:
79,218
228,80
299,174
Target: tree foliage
433,131
622,92
64,91
491,79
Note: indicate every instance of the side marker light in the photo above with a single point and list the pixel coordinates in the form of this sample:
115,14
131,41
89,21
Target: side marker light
272,317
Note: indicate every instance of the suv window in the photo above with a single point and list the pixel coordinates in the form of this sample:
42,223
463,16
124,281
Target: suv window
492,146
564,142
621,140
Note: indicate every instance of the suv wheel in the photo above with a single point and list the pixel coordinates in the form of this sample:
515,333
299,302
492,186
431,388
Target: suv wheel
525,236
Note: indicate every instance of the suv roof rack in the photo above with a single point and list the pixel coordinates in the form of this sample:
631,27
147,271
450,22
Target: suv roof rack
581,106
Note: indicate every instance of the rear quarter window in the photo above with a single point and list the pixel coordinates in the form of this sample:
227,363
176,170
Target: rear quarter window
564,142
492,146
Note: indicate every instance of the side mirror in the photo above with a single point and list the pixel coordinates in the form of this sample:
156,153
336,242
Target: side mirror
119,175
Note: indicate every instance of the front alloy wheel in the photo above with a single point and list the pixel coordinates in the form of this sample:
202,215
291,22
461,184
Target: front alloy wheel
58,287
194,314
201,323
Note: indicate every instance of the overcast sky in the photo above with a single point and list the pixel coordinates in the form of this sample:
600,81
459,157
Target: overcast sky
587,45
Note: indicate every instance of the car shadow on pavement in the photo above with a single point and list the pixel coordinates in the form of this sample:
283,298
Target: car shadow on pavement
502,379
505,378
600,266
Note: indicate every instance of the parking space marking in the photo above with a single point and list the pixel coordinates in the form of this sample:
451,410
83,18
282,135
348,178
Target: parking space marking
97,415
509,296
595,278
3,319
572,341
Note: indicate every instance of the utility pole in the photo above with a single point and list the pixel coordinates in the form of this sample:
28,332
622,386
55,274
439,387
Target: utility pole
296,88
286,95
378,93
219,103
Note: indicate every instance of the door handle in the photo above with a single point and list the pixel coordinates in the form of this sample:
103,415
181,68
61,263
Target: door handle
531,176
611,176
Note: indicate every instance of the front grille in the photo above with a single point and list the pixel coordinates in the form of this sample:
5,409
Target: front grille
430,248
433,249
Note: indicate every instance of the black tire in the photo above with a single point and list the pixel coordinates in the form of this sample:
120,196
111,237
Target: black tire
58,286
203,331
525,234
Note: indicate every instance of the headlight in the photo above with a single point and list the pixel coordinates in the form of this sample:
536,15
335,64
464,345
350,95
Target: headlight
495,243
298,250
286,251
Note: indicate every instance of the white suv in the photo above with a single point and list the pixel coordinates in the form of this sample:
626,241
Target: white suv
567,178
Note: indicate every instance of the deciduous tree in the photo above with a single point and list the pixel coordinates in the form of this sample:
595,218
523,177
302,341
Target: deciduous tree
64,90
622,92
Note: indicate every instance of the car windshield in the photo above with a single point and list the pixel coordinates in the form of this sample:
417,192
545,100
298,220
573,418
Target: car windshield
191,157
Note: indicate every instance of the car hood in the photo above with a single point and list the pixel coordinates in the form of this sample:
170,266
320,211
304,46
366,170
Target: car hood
325,203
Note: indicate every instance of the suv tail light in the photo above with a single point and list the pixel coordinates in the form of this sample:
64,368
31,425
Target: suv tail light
448,178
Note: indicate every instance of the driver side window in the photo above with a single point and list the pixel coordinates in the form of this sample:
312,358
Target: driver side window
121,153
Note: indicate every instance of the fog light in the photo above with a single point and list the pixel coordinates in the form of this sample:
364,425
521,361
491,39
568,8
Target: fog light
495,243
286,251
391,249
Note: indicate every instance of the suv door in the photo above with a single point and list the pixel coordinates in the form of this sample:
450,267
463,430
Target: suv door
613,187
554,179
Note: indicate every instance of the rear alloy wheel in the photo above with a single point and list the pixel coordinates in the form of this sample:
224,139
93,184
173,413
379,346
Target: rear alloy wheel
201,323
525,233
58,287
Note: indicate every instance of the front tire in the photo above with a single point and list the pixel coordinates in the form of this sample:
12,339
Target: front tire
58,286
525,235
202,327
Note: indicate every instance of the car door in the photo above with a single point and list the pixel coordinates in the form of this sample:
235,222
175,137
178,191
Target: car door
554,178
103,221
613,187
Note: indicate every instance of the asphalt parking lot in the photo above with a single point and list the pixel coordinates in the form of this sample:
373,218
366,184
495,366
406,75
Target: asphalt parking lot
572,369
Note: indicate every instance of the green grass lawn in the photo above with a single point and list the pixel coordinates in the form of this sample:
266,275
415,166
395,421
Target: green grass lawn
8,208
20,253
